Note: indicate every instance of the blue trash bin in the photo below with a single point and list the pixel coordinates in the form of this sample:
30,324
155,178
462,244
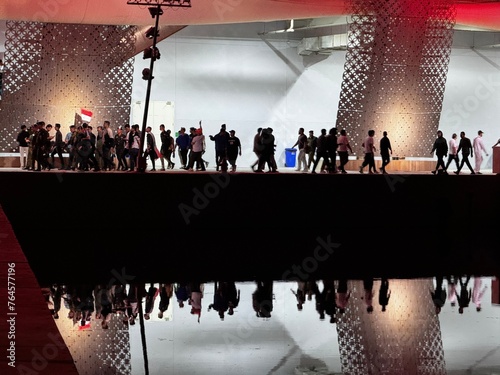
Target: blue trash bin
290,155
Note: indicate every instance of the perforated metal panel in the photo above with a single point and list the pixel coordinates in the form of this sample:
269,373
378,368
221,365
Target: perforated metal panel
395,72
54,70
404,339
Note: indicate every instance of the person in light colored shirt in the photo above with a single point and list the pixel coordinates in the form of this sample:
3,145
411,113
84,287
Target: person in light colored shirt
452,151
301,159
452,290
478,147
343,150
369,149
478,292
197,148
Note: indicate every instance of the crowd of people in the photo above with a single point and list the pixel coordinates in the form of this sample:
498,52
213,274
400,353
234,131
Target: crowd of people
38,146
90,304
475,149
121,150
326,147
106,150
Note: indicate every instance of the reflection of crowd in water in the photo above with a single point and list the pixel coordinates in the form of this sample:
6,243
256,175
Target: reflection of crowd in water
334,296
331,297
458,291
84,300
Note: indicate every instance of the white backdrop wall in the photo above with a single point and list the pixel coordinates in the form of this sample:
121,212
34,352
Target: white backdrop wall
472,96
248,84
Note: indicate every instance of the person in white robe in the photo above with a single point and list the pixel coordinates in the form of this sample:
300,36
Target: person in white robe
478,147
477,292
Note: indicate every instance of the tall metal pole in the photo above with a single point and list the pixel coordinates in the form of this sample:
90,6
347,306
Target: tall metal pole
141,164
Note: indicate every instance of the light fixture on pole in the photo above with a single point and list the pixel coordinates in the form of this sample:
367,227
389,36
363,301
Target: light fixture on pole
155,12
151,33
151,53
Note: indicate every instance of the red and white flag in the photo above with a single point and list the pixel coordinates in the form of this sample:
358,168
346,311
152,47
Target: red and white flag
86,115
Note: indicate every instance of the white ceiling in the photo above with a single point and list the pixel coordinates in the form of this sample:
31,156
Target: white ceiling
224,18
478,14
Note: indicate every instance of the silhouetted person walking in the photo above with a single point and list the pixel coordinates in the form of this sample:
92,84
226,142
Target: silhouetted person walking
369,149
465,294
321,150
326,300
220,140
368,294
262,299
332,150
439,294
466,146
300,294
329,301
233,297
151,295
343,295
220,304
257,147
166,291
385,151
441,148
384,294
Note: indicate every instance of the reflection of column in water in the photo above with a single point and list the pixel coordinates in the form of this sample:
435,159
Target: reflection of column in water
96,350
404,339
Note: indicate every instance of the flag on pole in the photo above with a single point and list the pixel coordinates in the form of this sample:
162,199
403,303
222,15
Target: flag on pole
86,115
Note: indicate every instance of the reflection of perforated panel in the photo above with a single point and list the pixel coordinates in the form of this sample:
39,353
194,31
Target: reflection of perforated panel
54,70
405,339
395,72
97,351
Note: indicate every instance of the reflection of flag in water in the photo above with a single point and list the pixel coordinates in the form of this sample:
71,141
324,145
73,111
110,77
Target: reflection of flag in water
86,115
85,326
